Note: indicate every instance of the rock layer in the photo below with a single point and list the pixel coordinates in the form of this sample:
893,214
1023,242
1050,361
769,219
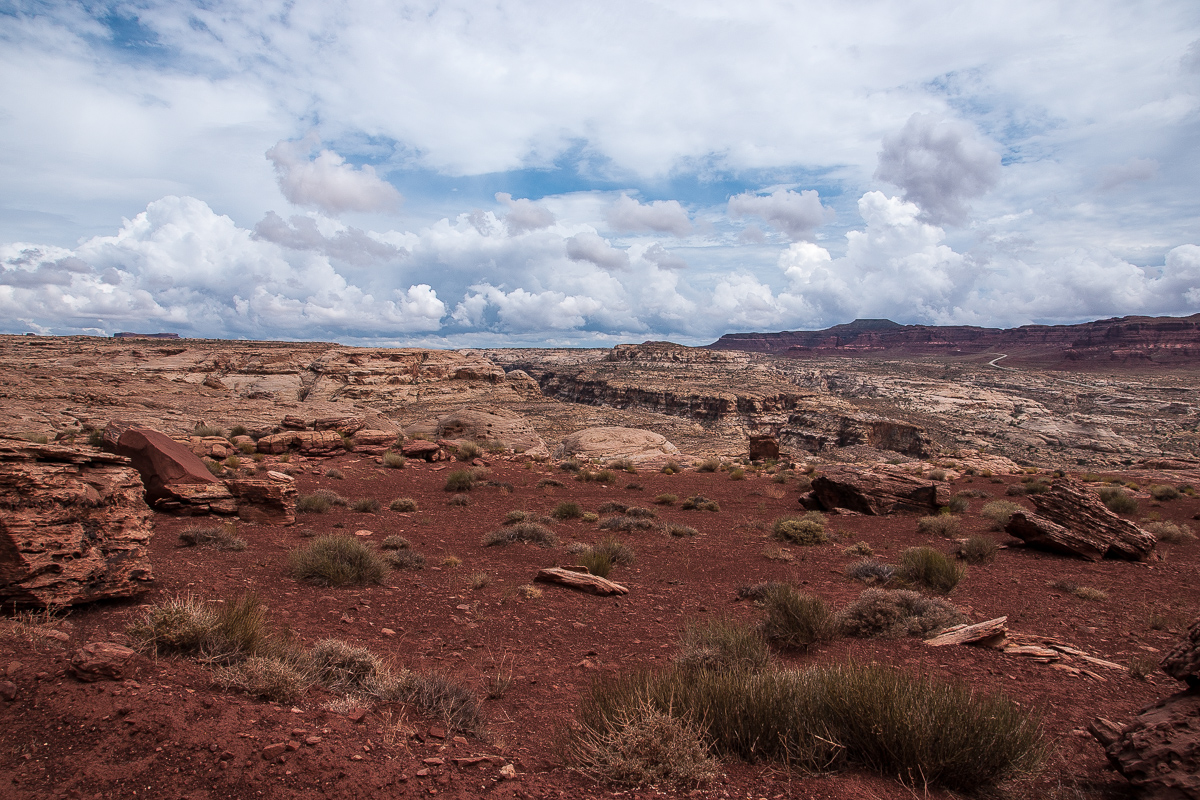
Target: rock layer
1183,662
73,528
615,442
876,491
1070,519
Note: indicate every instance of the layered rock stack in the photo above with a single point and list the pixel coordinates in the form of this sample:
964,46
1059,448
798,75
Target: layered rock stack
73,526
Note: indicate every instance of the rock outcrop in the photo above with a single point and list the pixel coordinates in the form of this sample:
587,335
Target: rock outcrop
161,461
876,491
102,661
614,442
1071,519
306,442
73,526
1183,661
496,427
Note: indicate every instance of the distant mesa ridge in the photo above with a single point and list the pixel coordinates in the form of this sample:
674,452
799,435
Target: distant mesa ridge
128,335
1155,339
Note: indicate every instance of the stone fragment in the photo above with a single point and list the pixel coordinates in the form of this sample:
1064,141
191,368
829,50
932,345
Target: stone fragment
592,584
877,491
259,502
8,691
74,525
508,772
1071,519
98,661
161,461
1183,661
419,448
615,442
437,732
215,447
345,426
293,423
1159,752
274,751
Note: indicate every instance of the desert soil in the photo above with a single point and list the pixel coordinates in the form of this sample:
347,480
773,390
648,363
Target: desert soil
167,732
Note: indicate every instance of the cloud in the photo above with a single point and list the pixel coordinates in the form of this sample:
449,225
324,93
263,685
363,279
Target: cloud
524,215
328,182
940,164
524,311
628,215
1135,169
797,214
351,245
662,258
588,246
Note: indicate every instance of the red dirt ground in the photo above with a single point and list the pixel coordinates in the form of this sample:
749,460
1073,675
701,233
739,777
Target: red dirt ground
169,733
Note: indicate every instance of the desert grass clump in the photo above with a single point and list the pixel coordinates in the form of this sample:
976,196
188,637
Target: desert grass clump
459,501
1162,491
681,531
960,502
218,537
232,462
479,580
217,633
808,529
861,549
666,499
468,451
1170,533
337,561
1118,500
248,448
346,669
524,532
627,523
699,502
1036,486
366,505
929,568
395,542
722,643
216,468
1090,593
895,614
977,550
335,473
637,512
622,464
945,525
405,559
394,460
403,504
568,509
597,563
271,678
460,480
871,571
737,474
709,465
795,621
205,431
671,467
617,551
999,512
916,728
590,517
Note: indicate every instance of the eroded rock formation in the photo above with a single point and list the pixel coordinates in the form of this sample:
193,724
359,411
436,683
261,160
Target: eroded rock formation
73,525
876,491
614,442
1071,519
497,427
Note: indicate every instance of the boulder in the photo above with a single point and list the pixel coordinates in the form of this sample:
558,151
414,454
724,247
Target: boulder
161,461
1183,662
1159,752
486,427
293,423
876,491
215,447
764,447
306,442
74,525
613,442
375,442
346,426
1071,519
264,502
422,449
101,661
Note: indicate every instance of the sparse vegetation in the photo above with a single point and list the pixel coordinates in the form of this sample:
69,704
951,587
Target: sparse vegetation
623,465
931,569
479,580
709,465
335,473
671,467
204,431
366,505
1091,593
859,549
394,460
666,499
870,571
1164,492
960,502
1170,533
722,643
404,504
468,451
527,532
214,467
681,531
590,516
893,614
395,542
527,591
700,503
1118,500
405,559
808,529
337,561
568,509
945,525
978,550
737,474
219,537
459,501
795,621
627,523
597,563
460,480
999,512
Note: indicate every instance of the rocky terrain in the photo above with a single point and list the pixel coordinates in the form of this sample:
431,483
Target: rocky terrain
116,456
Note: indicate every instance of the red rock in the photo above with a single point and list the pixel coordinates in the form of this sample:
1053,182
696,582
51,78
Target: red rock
260,502
437,732
878,491
763,447
1159,752
8,691
419,448
101,661
1183,661
294,423
161,461
307,442
1071,519
346,426
273,751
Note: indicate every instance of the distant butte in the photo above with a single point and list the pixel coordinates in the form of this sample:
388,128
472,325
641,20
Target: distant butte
1129,340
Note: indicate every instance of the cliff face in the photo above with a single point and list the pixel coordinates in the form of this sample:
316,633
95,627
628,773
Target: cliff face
1148,339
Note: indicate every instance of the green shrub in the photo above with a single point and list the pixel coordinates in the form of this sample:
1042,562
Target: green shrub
700,503
670,468
460,480
597,563
527,532
405,559
737,474
247,448
918,729
468,451
931,569
795,621
219,537
395,542
1170,533
394,460
1117,500
366,505
806,530
567,509
403,504
207,430
709,465
622,464
722,643
999,512
894,614
1161,491
337,561
1036,486
938,525
233,462
666,499
978,550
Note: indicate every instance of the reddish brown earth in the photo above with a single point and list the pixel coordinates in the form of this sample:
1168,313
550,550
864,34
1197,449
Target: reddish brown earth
167,732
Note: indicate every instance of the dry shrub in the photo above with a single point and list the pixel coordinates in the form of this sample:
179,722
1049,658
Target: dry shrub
670,468
1162,491
808,529
709,465
213,632
612,507
335,473
548,483
938,525
999,512
459,501
871,571
895,614
347,669
859,549
219,537
405,559
1170,533
722,643
394,460
666,499
337,561
278,680
443,697
737,474
638,512
626,523
757,591
597,563
1090,593
931,569
699,502
468,451
681,531
978,550
460,480
395,542
403,504
366,505
568,509
796,621
960,502
527,532
622,464
1117,500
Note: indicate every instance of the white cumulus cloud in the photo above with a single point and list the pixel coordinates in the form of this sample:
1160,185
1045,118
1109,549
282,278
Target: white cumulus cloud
628,215
940,164
328,182
524,214
797,214
591,247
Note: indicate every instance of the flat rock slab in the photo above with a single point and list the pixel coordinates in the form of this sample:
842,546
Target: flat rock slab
615,442
878,491
1071,519
584,581
101,661
161,461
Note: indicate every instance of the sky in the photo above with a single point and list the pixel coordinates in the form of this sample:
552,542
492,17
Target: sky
568,174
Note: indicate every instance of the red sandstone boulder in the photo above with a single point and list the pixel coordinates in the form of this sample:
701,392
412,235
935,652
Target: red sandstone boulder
99,661
162,461
877,491
419,448
1183,662
346,426
1071,519
307,442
